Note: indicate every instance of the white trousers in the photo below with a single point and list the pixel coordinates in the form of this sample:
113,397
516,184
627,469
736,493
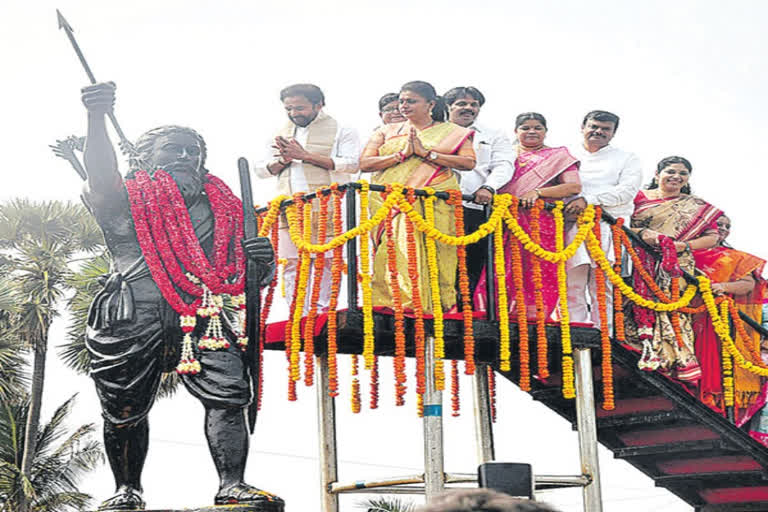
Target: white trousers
289,275
582,297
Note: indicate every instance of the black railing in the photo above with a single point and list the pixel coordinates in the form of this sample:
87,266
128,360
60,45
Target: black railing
351,221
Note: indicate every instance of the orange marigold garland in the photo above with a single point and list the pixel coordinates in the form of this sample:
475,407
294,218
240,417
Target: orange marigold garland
605,337
674,316
542,363
520,307
466,302
419,335
437,308
275,238
374,398
455,402
365,280
397,304
569,390
355,385
618,299
748,341
336,269
317,282
492,392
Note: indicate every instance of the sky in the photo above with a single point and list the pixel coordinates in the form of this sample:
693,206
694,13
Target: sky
686,77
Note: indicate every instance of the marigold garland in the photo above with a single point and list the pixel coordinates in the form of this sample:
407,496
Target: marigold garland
593,246
437,308
674,316
355,397
618,300
520,307
317,282
336,269
738,323
365,279
298,306
397,303
265,309
455,402
585,221
419,335
542,363
491,392
605,338
726,365
374,397
569,391
466,300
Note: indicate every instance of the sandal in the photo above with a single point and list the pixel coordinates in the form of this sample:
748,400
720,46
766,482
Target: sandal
126,499
247,494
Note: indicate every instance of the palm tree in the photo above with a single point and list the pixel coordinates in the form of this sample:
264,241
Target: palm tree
13,375
40,240
59,461
386,505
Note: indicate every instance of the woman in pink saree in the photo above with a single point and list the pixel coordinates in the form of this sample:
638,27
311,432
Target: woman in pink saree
541,172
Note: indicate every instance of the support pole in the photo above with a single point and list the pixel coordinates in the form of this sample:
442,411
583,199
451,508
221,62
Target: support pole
587,425
482,410
326,430
351,198
434,477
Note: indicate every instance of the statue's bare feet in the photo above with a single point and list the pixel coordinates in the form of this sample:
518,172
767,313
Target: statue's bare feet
247,494
127,498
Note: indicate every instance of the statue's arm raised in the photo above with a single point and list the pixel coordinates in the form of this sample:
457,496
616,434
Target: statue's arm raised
104,180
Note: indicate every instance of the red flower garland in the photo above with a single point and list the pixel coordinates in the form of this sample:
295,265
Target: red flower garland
492,392
167,240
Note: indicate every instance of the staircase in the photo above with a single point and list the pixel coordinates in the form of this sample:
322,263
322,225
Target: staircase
657,426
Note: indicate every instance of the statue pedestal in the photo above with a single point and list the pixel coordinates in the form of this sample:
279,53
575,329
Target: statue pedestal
259,507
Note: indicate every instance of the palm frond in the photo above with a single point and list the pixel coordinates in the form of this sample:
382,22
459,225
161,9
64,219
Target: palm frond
386,504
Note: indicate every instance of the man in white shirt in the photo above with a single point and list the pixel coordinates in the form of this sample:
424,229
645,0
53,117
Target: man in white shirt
495,156
311,151
611,178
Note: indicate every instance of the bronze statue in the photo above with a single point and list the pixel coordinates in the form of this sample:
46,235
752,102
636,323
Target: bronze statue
166,287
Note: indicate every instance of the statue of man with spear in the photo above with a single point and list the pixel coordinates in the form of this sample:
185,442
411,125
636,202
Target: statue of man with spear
175,234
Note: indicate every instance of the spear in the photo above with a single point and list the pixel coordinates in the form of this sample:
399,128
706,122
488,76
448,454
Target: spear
125,143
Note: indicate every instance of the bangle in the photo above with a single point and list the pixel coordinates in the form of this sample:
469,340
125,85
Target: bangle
687,247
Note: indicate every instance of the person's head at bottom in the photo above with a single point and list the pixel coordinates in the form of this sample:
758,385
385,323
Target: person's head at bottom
482,500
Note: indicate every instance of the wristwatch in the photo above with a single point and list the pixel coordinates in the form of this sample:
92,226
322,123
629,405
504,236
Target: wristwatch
432,155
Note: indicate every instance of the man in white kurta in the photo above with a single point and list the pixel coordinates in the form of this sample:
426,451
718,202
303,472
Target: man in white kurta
495,157
611,178
312,150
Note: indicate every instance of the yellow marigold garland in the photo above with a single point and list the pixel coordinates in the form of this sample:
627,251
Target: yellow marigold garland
542,363
317,281
593,245
585,222
298,305
503,307
434,281
365,280
374,398
355,396
569,391
727,365
492,391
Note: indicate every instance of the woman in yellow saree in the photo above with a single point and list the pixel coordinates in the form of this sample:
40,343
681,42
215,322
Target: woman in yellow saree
421,152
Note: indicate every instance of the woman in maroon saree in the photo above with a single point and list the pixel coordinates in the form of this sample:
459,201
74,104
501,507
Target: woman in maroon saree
545,173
